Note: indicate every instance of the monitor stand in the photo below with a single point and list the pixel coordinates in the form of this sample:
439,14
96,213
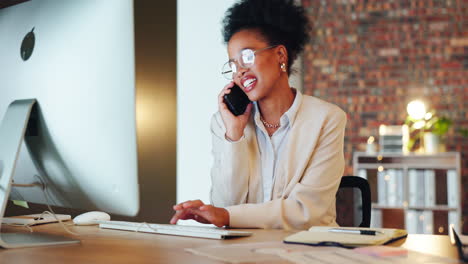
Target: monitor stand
12,132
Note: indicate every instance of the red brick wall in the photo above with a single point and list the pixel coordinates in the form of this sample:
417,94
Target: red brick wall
371,57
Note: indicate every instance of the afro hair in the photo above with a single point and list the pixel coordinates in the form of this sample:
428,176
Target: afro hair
281,22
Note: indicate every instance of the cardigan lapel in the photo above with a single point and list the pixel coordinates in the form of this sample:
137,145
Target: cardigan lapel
255,194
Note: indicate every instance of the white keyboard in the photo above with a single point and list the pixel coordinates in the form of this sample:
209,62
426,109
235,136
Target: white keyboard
177,230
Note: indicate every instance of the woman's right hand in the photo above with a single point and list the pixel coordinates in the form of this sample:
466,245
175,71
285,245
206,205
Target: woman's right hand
234,124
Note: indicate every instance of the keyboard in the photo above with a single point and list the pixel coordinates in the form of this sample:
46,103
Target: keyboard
177,230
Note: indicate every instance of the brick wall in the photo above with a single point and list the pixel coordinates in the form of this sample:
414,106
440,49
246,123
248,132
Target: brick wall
371,57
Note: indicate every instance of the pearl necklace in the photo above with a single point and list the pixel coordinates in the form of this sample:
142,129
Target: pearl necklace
265,123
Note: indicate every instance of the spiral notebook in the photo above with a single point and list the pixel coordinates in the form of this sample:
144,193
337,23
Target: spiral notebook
323,236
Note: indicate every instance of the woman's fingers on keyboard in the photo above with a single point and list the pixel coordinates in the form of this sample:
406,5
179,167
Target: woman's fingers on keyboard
193,204
177,216
200,219
179,206
206,207
213,215
207,214
181,215
188,204
200,212
174,218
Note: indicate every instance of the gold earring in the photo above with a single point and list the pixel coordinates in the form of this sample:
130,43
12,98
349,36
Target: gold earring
283,67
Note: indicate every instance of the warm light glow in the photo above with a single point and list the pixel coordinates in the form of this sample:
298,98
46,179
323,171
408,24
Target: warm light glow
380,168
405,138
370,140
419,124
379,157
382,130
405,204
416,109
441,229
387,177
428,116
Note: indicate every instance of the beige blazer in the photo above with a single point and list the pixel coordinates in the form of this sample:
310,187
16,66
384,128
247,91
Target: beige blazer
306,182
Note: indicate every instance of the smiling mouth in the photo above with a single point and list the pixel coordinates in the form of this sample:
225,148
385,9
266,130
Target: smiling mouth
249,83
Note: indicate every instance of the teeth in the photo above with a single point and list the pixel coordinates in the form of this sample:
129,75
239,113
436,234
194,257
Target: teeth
249,82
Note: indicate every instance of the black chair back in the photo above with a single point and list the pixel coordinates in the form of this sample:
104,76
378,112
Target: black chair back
363,186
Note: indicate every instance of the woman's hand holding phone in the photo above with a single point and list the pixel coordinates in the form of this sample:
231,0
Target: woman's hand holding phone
235,125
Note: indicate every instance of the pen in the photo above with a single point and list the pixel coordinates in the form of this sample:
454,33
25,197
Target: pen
355,231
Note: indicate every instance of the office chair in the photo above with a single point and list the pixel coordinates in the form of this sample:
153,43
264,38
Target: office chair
363,186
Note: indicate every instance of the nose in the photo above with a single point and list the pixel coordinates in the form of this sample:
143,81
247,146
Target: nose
241,71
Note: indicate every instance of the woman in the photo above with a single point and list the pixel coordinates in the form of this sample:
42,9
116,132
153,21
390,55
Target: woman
280,163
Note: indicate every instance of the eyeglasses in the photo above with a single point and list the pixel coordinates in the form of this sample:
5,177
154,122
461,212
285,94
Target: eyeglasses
246,59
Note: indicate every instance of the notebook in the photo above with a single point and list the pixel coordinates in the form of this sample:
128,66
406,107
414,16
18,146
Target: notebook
323,236
34,219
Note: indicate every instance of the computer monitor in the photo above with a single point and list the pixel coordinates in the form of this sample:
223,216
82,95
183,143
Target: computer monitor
74,61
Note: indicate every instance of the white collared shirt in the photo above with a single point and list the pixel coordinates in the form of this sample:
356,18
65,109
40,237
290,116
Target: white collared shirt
272,148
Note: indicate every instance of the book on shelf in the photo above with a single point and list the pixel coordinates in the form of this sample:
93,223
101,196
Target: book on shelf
441,187
393,218
419,222
413,187
454,218
400,187
391,187
427,222
452,189
440,222
382,188
362,173
411,221
376,218
429,188
395,187
416,188
421,188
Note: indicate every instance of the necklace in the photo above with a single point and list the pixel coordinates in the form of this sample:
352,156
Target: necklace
265,123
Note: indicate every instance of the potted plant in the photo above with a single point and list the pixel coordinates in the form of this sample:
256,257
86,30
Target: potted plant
435,129
428,132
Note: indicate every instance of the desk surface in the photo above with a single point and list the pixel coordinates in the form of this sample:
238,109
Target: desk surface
113,246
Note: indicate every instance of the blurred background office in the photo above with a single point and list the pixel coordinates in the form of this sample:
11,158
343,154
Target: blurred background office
372,58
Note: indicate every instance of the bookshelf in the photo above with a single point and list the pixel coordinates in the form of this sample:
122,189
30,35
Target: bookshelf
418,192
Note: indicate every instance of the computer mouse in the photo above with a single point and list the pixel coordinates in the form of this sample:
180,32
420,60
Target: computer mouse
90,218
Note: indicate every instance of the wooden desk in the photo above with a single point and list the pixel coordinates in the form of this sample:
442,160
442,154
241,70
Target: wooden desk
112,246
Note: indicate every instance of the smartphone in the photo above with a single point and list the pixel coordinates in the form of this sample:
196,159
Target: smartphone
236,101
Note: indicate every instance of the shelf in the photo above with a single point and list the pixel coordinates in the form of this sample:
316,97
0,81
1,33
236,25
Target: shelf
432,181
431,208
386,154
446,161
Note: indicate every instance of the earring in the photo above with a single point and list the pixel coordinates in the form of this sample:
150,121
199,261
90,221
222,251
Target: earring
283,67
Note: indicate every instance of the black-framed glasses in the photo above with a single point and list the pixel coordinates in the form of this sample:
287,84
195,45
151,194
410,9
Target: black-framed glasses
245,59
